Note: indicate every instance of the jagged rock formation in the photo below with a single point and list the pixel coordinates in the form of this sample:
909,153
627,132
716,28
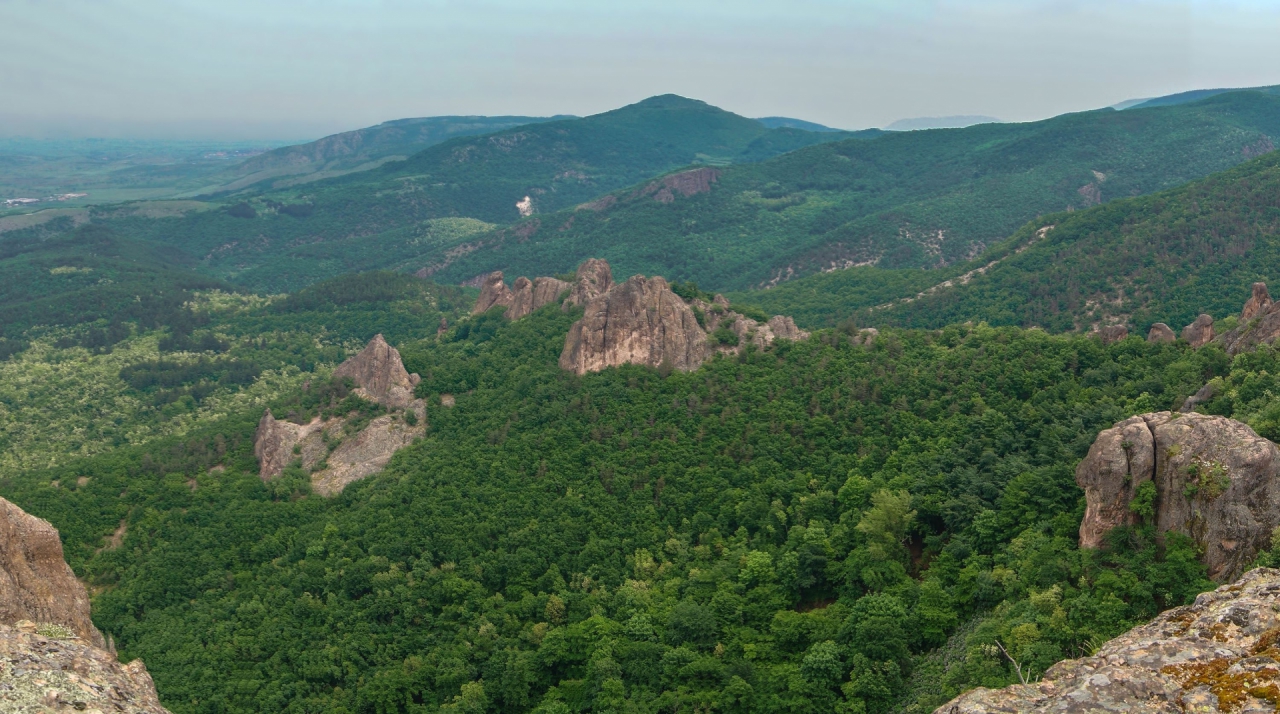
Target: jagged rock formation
1215,480
1257,303
637,322
1220,654
380,375
342,458
52,658
1161,332
1200,332
493,292
527,295
1261,326
594,278
35,581
642,321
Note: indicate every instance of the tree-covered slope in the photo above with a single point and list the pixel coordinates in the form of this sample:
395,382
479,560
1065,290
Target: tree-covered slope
914,199
1161,258
286,239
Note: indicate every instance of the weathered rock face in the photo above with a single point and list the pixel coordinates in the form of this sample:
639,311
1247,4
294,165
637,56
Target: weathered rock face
1257,303
274,441
380,374
57,674
1262,328
52,658
749,331
1217,655
785,328
35,581
1112,333
1161,332
528,295
1216,481
638,322
364,454
493,291
594,278
1200,332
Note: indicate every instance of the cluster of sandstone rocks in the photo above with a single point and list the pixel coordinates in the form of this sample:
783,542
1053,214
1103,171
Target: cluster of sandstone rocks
1259,323
52,658
1220,654
379,376
639,321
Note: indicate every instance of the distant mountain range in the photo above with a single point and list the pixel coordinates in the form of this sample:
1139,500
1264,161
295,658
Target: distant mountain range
950,122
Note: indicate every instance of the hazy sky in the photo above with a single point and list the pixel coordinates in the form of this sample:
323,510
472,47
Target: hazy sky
302,68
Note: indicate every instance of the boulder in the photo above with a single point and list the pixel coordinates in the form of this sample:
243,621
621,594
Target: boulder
1202,395
594,278
1257,303
35,582
1216,481
1219,654
640,321
380,375
1200,332
1161,332
365,454
493,291
1112,333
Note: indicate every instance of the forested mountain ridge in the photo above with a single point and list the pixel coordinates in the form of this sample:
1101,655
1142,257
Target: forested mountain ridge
432,202
914,199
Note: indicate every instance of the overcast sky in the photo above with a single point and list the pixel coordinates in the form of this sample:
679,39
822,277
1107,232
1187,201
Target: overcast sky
291,69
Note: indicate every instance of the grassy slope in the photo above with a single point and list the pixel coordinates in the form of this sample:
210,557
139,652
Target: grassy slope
916,199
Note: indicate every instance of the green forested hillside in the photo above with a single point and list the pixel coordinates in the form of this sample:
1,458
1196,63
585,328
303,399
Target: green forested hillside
288,238
796,529
913,199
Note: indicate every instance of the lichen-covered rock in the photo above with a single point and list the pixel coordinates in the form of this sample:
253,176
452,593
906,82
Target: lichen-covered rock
594,278
1220,654
493,291
1200,332
44,672
1215,479
35,581
1161,332
365,454
640,321
380,374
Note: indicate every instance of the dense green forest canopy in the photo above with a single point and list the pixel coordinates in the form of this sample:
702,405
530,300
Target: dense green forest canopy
817,526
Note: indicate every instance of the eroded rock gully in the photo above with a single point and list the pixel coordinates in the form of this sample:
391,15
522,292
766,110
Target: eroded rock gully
52,658
380,376
1220,654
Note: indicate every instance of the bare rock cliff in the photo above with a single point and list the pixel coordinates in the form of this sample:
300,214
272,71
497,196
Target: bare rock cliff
1220,654
640,321
522,298
52,658
594,278
35,582
1259,323
493,292
364,454
1215,480
380,374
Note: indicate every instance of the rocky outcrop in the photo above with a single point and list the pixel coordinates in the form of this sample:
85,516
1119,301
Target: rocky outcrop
1161,332
364,454
1112,333
380,374
1215,481
1220,654
1257,303
717,315
1259,323
640,321
52,658
493,292
35,581
327,445
594,278
1200,332
784,327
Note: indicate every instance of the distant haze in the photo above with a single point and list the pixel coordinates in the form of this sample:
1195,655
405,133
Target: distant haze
293,69
956,122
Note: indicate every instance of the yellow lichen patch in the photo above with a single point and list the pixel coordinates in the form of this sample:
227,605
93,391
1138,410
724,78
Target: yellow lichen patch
1232,690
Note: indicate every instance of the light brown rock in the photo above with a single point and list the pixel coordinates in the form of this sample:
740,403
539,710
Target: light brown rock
380,374
1216,481
493,292
35,581
1229,634
528,296
640,321
274,441
1200,332
785,328
1161,332
1112,334
594,278
364,454
1257,303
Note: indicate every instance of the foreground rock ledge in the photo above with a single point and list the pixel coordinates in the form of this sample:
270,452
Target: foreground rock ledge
1221,654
